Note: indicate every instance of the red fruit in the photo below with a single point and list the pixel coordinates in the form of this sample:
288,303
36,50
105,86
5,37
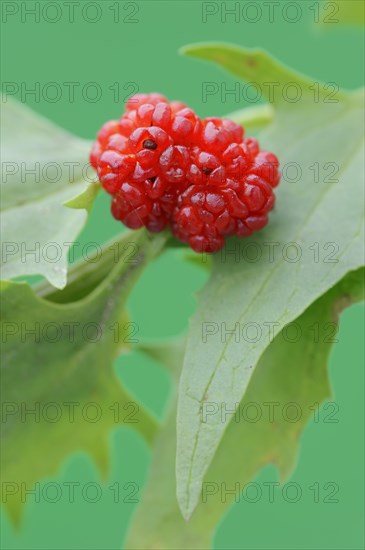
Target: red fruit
162,116
165,166
176,106
137,100
251,147
234,129
127,123
144,114
108,129
151,139
185,127
266,165
113,168
173,164
95,154
214,138
117,142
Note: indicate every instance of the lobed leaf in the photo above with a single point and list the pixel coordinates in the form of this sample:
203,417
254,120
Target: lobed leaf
320,217
57,362
246,447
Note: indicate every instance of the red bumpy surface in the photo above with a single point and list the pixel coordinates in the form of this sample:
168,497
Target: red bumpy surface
163,165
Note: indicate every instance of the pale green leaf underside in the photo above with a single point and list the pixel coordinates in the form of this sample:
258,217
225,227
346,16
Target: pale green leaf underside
37,229
246,447
266,291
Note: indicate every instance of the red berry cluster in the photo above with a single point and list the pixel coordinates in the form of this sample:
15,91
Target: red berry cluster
164,165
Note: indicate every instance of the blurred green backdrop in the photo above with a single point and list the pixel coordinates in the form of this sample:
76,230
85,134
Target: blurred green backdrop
130,46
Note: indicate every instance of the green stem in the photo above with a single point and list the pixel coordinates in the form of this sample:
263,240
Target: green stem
85,275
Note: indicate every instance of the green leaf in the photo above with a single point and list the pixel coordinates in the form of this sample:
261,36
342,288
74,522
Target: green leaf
246,447
43,167
324,220
274,439
56,354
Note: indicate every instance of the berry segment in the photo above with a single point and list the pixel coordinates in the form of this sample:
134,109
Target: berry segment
164,166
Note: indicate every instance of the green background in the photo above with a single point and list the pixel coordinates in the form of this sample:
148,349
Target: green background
146,53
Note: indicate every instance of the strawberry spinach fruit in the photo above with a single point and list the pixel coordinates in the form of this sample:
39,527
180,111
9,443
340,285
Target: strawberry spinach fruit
164,165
